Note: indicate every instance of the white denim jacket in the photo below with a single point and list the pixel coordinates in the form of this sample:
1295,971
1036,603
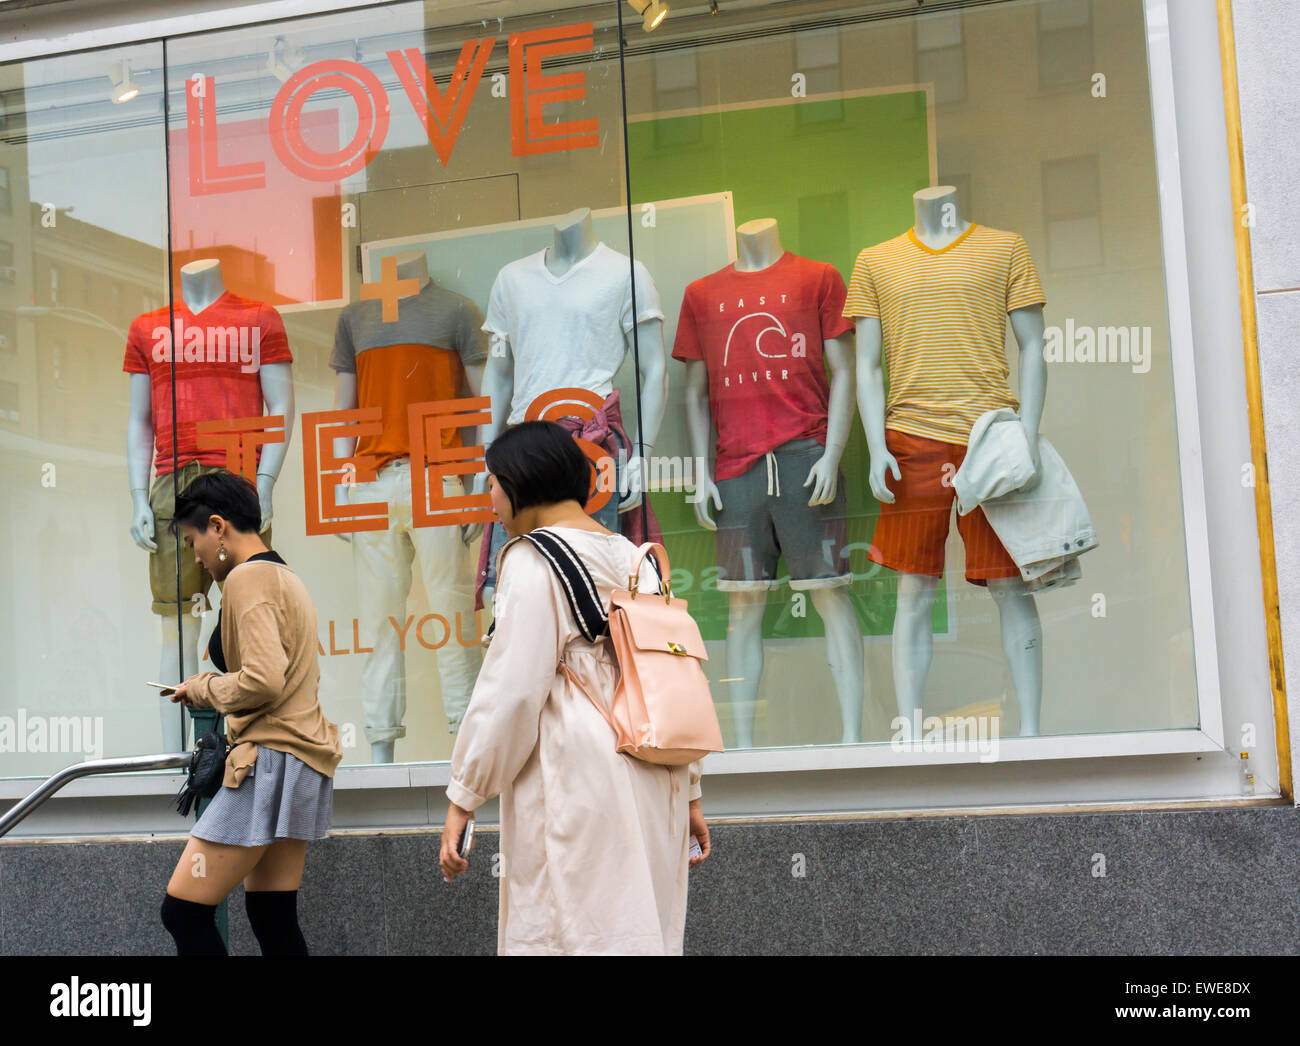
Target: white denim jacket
1045,530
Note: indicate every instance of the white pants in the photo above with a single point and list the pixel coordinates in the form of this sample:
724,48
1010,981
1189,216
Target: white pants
383,560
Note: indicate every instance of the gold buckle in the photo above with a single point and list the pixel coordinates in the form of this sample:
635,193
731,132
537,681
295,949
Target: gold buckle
676,648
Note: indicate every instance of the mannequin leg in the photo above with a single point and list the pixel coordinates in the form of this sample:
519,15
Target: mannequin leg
745,660
447,567
382,563
844,651
913,644
1022,642
175,666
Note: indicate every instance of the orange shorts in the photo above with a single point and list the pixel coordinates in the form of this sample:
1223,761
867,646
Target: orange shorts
911,533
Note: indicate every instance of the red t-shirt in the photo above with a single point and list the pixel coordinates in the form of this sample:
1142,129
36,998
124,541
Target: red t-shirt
760,337
219,353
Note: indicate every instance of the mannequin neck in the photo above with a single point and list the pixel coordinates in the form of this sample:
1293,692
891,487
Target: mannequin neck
758,245
201,284
938,222
416,268
575,238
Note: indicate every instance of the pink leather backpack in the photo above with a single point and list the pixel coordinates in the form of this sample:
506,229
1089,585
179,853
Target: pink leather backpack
662,711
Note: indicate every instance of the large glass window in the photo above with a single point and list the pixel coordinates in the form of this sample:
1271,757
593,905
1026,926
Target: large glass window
787,264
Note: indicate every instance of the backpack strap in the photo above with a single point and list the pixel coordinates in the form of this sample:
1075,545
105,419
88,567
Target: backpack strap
575,580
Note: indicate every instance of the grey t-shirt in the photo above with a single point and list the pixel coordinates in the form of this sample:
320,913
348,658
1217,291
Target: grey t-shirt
418,358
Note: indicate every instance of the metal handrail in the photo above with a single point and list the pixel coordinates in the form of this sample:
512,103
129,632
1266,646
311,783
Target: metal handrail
93,766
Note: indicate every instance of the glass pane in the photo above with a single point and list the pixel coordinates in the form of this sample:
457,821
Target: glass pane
309,156
83,249
830,623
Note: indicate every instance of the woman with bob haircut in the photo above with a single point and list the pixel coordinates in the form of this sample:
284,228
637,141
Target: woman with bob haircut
278,788
594,842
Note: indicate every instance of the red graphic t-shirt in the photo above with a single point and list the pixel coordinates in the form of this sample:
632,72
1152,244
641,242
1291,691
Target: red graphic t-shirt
218,355
760,337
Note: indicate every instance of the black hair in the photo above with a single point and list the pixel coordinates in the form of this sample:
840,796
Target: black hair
225,494
538,463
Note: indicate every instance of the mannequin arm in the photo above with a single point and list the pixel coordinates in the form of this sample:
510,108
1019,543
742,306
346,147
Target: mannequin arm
277,393
1027,325
499,386
345,398
139,458
824,475
699,429
871,405
654,401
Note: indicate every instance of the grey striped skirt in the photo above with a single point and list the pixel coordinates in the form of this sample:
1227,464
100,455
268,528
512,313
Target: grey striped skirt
281,798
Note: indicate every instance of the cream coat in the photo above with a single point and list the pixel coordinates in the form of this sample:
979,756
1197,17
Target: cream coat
594,843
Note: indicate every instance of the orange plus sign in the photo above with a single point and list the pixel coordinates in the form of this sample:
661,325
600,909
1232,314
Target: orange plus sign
389,288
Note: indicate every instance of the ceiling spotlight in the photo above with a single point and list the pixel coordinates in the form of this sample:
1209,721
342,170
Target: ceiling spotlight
119,75
713,7
283,60
652,13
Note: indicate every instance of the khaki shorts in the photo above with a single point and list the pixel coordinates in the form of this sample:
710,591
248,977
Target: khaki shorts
195,580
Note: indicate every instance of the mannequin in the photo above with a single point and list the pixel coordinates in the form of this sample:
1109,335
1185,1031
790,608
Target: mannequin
938,229
511,374
758,249
202,289
430,351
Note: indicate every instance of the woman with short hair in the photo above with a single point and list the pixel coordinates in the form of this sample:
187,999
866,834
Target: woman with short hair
594,842
278,788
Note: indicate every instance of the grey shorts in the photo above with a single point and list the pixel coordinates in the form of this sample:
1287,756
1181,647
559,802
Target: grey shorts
765,514
281,798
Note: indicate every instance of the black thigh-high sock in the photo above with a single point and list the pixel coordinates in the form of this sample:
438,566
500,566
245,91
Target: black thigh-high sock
193,926
273,914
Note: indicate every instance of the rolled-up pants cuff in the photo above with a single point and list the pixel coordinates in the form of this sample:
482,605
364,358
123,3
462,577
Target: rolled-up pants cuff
386,733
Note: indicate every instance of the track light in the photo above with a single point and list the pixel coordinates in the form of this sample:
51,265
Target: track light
119,75
652,12
283,60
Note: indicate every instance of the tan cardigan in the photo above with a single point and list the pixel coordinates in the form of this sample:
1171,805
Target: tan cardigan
269,693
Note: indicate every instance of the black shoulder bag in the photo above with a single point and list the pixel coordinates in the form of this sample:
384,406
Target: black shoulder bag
206,772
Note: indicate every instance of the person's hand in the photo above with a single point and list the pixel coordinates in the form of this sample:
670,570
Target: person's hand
181,694
449,860
699,829
876,476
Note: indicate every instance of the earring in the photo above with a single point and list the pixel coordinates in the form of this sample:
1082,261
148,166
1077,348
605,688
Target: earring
221,551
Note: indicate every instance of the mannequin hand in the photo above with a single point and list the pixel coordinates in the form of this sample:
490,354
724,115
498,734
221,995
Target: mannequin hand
634,480
480,483
699,829
470,533
343,496
705,491
449,860
267,512
877,476
824,478
1035,459
142,524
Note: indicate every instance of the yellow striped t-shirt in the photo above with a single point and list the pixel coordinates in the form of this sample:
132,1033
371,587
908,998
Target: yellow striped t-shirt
943,320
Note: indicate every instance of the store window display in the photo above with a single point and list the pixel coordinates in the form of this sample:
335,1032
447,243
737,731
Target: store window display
932,306
758,339
563,318
424,346
231,360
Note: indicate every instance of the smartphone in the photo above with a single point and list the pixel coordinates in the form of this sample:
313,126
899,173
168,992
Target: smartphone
695,849
166,689
466,840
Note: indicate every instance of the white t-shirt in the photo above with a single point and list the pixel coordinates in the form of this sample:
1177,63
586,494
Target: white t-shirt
567,331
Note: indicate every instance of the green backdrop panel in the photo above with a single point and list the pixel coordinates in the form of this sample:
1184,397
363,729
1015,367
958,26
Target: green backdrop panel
837,175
